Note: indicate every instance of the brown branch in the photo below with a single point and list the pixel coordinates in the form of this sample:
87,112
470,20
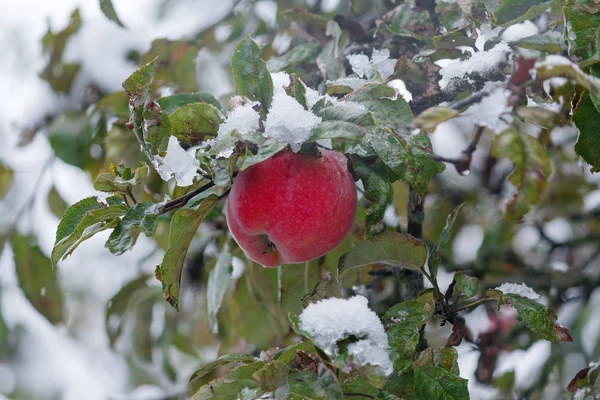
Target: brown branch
463,162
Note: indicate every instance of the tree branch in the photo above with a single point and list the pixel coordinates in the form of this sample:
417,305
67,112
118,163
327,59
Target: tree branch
463,162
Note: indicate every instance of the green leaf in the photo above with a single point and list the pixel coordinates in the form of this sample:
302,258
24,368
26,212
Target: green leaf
549,42
233,385
80,222
309,385
305,52
437,383
324,289
531,169
58,74
347,112
403,322
409,20
296,90
464,286
435,252
429,119
109,11
121,179
117,307
542,117
194,122
387,106
37,278
172,103
439,356
582,30
6,179
139,218
184,225
56,204
146,118
409,157
266,150
72,135
272,376
588,143
216,287
378,190
537,317
252,79
331,58
176,62
338,130
220,362
387,248
510,12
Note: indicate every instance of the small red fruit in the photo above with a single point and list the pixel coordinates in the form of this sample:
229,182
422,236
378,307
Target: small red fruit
292,208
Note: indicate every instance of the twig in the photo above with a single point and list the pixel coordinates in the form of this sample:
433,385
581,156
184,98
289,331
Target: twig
183,200
463,162
473,304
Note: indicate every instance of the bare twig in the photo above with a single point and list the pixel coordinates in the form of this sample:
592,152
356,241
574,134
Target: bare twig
463,162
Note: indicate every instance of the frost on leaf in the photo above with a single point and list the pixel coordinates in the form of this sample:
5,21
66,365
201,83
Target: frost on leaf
332,320
177,163
519,289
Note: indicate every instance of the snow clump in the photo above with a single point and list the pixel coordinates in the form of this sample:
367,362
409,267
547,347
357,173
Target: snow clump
332,320
519,289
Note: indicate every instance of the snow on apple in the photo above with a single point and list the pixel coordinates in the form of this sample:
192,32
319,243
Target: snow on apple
519,289
177,163
332,320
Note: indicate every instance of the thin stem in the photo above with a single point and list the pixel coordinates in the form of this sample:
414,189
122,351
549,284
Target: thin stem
183,200
306,264
463,162
473,304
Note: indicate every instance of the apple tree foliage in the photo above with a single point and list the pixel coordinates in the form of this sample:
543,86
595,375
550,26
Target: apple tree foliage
528,164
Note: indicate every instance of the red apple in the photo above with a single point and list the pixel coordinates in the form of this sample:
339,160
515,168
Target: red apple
292,208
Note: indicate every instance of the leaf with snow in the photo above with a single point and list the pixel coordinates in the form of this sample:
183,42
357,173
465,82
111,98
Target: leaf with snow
177,163
121,179
390,248
252,79
378,67
554,66
403,322
343,86
383,101
482,63
139,218
184,224
519,289
332,321
537,317
531,169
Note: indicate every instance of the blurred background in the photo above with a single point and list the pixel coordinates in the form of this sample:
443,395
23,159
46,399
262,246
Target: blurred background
97,327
